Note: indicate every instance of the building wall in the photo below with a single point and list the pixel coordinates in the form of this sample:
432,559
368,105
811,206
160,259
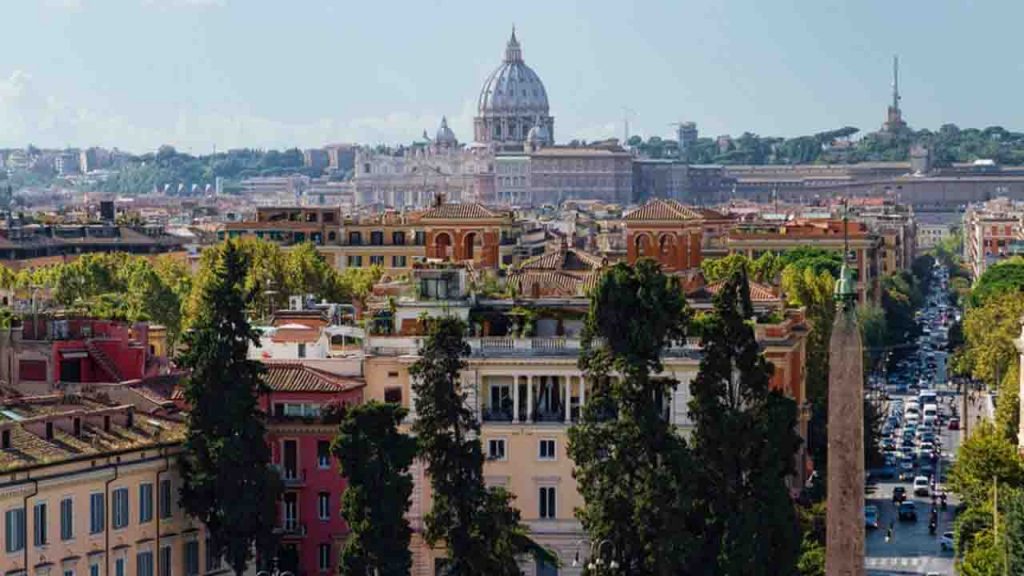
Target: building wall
676,247
77,482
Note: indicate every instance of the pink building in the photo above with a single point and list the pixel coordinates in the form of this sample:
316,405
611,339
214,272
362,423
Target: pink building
301,405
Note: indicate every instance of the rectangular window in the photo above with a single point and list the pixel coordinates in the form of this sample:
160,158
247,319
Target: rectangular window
119,567
165,498
496,449
325,556
355,238
398,261
398,238
546,450
145,502
376,238
69,572
301,349
97,513
165,560
39,524
393,394
94,569
119,514
67,519
323,505
14,530
355,261
547,502
376,260
323,453
144,563
192,558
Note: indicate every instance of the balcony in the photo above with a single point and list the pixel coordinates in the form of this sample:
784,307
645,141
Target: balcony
292,528
291,477
554,346
497,415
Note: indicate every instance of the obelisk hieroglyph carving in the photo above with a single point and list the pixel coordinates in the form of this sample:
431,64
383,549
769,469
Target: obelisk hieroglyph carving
844,546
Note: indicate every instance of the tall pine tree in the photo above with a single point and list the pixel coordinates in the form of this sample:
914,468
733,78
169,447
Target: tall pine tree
228,483
631,465
375,458
744,445
480,528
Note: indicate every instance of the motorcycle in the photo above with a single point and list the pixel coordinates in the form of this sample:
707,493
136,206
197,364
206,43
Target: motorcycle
932,526
942,500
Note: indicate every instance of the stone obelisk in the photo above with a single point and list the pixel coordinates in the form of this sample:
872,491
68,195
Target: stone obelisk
844,546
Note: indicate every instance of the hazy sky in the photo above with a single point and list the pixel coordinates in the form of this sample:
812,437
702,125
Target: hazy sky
274,73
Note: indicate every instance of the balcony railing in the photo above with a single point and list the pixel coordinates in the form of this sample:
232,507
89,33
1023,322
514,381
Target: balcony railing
291,476
553,346
497,415
291,527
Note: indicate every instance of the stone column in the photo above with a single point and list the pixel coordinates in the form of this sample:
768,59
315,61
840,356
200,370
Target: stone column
529,397
515,398
844,546
583,392
568,398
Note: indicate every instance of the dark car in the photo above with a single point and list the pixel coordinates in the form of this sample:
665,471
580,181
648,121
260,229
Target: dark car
908,512
954,423
899,494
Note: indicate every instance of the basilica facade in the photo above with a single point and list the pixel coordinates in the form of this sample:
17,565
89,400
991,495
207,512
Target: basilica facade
513,118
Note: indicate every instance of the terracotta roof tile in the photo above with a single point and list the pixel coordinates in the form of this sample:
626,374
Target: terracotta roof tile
659,209
570,259
472,211
298,377
553,283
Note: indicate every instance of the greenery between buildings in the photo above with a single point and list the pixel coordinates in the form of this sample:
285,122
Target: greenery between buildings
225,462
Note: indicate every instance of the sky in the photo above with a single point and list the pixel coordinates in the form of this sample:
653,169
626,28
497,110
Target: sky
215,74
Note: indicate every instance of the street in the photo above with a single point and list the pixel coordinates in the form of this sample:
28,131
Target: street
912,549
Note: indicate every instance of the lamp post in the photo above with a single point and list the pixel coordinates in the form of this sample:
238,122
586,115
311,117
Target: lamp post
597,563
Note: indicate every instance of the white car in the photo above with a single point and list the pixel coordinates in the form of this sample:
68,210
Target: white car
921,487
946,541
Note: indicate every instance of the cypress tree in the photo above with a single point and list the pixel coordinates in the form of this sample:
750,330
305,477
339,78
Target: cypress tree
744,445
480,528
375,459
632,467
228,483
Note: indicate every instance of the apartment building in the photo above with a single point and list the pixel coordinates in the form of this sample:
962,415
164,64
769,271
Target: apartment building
523,382
993,231
89,487
865,247
288,225
304,406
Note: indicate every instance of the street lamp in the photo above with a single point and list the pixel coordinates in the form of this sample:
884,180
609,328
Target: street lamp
597,561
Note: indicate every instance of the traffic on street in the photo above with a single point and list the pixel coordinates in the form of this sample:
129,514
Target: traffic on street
909,513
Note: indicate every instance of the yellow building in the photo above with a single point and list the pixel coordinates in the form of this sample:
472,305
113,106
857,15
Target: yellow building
527,392
89,487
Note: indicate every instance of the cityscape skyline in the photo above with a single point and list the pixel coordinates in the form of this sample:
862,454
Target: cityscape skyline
217,73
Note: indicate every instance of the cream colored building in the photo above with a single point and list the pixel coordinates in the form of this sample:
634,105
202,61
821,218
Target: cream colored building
90,488
526,392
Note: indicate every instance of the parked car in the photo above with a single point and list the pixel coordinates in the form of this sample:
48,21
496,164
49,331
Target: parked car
908,512
871,517
946,541
954,423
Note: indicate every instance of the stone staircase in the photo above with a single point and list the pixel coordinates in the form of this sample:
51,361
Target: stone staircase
104,361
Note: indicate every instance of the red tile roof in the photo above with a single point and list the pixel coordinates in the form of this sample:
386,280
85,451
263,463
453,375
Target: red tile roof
570,259
299,377
460,212
659,209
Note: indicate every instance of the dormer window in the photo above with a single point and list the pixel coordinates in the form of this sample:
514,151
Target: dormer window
77,426
49,430
131,419
5,439
106,423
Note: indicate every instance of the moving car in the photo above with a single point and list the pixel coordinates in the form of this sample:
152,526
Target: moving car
954,423
946,541
921,486
871,517
899,494
908,512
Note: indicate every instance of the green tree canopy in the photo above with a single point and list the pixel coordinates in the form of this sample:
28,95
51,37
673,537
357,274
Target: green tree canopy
744,446
630,465
375,459
228,482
